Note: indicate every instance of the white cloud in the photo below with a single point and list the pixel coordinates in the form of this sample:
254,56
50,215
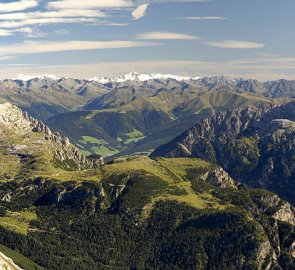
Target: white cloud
89,4
18,6
203,18
24,19
28,32
32,47
44,21
140,11
86,13
235,44
166,35
5,33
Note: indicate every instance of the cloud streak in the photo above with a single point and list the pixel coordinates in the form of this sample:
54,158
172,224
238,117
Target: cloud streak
235,44
32,47
89,4
203,18
166,36
18,6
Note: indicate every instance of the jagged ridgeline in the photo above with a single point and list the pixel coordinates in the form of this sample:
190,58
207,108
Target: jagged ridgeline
255,145
28,147
131,213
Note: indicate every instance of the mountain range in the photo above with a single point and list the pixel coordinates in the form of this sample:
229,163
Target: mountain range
134,113
60,210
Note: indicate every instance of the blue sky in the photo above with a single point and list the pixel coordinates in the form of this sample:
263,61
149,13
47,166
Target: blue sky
86,38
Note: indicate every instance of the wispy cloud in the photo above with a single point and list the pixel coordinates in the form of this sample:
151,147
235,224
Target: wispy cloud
22,19
89,4
34,47
140,11
166,36
44,21
28,32
67,13
203,18
18,5
235,44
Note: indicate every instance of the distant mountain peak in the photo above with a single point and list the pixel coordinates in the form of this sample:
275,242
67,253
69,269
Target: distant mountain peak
24,77
100,79
140,77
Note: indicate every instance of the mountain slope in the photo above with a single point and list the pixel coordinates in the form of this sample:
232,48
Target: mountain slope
255,145
28,148
128,121
132,213
140,212
44,97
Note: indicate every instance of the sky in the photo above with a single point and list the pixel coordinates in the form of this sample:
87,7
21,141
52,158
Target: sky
87,38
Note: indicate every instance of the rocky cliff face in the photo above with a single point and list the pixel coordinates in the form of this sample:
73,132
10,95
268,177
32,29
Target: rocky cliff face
255,145
14,119
218,177
7,264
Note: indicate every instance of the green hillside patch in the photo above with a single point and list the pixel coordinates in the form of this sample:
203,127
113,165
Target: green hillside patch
18,221
89,139
90,145
134,136
104,151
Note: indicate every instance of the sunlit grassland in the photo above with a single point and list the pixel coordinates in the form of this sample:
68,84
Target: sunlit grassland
18,221
98,146
174,173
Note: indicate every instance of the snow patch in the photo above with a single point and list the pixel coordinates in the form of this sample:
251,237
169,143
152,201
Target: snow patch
24,77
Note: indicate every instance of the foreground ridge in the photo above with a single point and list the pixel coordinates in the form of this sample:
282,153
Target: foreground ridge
22,123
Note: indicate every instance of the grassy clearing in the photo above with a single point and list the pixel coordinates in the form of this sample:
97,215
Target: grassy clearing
89,139
96,146
104,151
18,221
181,166
134,136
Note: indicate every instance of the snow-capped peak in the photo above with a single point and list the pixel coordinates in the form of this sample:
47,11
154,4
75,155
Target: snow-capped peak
100,79
135,76
24,77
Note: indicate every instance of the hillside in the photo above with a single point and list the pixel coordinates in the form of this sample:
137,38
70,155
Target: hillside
28,148
255,145
128,121
140,212
132,213
45,97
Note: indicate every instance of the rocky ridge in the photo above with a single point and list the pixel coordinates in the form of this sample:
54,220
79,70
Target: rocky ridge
22,123
255,145
7,263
